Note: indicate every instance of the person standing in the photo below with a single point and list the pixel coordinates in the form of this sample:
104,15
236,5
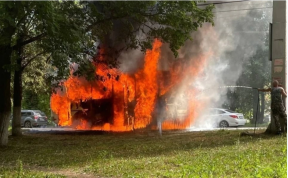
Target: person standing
277,106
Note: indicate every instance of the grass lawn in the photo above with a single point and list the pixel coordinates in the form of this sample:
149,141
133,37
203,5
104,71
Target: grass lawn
145,154
257,125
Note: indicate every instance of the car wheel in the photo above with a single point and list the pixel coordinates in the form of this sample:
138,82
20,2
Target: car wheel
223,124
27,124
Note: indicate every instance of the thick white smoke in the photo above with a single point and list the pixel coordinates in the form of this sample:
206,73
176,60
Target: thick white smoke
240,29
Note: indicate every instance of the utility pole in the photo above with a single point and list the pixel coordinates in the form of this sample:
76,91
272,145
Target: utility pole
278,40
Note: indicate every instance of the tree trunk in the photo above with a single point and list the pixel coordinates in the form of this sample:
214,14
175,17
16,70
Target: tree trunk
17,98
5,102
17,95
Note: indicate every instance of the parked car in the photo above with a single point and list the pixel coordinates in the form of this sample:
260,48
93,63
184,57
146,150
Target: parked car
225,117
33,118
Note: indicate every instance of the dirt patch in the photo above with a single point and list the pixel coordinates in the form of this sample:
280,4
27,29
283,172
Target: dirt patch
69,173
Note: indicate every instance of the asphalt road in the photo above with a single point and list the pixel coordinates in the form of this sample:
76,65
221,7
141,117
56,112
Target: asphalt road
62,130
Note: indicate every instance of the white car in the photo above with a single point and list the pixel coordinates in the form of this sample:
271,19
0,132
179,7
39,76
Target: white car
225,117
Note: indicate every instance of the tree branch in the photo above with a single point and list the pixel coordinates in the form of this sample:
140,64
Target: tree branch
28,41
104,20
48,58
21,20
30,60
141,23
31,19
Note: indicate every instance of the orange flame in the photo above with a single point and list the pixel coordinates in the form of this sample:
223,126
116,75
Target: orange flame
147,87
143,88
82,125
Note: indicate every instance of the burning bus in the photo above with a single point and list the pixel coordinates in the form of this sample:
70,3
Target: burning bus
118,101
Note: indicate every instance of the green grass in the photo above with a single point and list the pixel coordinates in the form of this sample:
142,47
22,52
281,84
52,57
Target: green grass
145,154
257,125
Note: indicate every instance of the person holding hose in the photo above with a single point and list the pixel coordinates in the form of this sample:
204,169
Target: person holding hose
277,106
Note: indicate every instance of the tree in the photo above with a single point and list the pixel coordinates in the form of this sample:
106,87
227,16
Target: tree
7,29
171,21
256,73
252,58
40,21
36,89
67,32
23,23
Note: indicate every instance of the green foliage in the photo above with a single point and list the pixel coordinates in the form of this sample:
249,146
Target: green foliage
37,101
86,69
54,27
36,89
138,23
67,31
43,30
